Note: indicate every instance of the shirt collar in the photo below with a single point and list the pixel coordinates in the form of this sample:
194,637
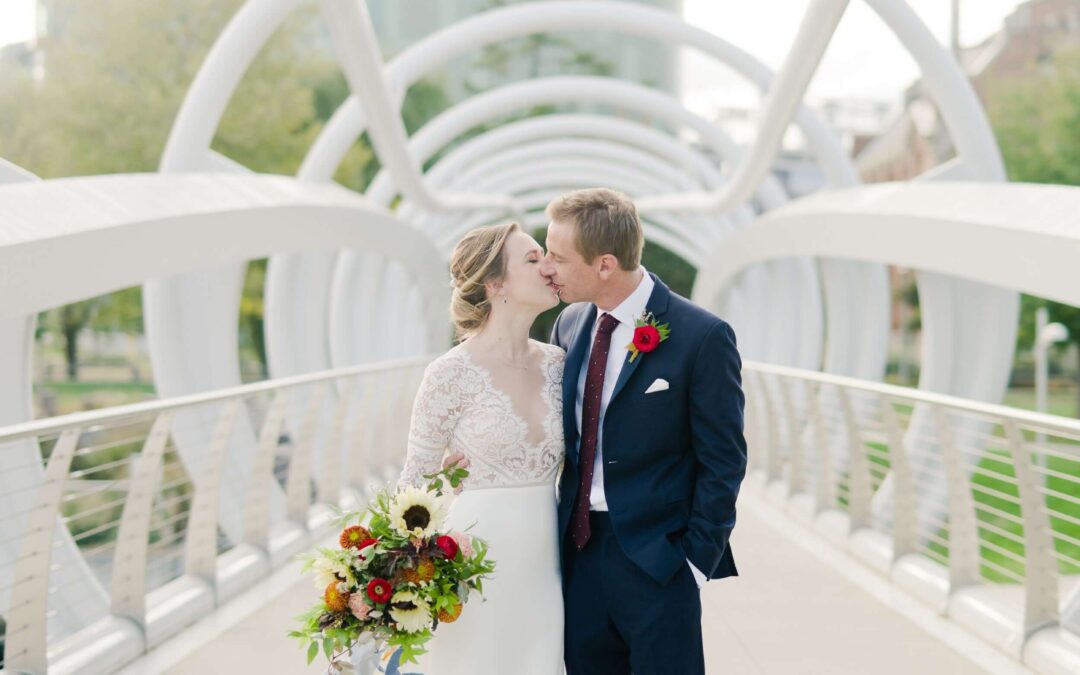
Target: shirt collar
631,309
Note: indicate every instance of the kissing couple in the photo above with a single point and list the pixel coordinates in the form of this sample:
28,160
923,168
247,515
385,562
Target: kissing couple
604,466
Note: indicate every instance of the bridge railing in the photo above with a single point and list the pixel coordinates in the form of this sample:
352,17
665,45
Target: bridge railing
974,508
158,538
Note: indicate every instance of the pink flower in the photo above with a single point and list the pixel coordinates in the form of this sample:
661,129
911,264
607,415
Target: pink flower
358,607
464,543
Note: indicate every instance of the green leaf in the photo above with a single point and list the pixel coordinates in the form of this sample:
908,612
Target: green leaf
312,652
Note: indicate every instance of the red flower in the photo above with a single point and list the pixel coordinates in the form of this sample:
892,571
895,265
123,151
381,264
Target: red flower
364,544
380,590
448,546
646,338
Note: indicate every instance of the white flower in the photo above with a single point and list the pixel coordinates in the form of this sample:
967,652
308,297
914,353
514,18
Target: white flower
416,512
409,612
324,574
329,571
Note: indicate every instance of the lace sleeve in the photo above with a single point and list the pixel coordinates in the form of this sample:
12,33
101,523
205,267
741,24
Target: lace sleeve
435,413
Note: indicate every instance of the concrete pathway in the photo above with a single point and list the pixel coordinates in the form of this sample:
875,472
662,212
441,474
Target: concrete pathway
800,608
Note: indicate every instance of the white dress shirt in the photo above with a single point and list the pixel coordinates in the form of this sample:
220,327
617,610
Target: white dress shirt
628,312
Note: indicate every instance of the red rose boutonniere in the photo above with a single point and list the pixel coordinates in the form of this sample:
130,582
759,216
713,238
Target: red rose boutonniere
647,335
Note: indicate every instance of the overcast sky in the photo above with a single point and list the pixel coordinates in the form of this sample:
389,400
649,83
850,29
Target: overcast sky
863,61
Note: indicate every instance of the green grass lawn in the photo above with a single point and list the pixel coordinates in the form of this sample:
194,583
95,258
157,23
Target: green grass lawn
1058,401
69,397
994,489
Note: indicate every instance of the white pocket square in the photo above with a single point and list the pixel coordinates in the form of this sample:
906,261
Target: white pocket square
659,384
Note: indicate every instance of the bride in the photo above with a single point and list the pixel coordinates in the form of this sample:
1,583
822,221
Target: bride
496,398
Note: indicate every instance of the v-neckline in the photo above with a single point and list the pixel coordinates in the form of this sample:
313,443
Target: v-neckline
508,401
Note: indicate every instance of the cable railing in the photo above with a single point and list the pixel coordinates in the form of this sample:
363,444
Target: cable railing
973,507
145,518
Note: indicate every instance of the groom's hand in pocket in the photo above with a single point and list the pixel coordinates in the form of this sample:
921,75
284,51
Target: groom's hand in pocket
699,576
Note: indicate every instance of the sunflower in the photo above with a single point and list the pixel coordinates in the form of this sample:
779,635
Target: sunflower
416,513
410,612
329,570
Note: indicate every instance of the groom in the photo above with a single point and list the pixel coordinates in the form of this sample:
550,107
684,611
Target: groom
654,445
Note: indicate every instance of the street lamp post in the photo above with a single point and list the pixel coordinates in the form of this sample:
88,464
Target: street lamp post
1046,334
954,29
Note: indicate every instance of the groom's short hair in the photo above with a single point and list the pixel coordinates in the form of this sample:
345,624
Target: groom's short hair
605,221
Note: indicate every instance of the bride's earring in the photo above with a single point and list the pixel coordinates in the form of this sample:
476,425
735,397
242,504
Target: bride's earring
504,299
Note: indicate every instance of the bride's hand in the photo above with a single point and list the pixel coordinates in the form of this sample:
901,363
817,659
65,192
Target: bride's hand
459,460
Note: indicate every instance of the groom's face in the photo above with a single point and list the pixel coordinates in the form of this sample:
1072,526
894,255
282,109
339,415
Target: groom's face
564,267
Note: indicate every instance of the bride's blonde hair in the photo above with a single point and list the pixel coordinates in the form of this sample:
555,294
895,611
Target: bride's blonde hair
477,259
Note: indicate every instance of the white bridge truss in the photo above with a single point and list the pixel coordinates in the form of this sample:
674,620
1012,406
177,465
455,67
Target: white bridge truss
355,304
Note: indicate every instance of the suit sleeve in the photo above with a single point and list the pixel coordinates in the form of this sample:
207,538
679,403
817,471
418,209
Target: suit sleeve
716,425
556,339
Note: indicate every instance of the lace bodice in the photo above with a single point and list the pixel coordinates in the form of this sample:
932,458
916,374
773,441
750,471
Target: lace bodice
459,409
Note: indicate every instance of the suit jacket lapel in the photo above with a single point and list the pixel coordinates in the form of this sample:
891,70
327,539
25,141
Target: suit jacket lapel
657,304
575,356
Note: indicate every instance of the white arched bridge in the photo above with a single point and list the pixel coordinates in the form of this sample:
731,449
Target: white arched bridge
883,529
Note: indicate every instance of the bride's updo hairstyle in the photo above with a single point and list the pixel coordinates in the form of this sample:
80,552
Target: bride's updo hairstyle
477,259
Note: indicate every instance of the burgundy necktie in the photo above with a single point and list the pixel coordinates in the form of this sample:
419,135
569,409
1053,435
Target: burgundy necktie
590,426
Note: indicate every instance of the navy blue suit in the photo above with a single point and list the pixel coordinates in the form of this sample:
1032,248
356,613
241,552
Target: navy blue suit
673,464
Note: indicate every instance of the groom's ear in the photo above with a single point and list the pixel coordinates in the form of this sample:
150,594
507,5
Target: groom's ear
607,265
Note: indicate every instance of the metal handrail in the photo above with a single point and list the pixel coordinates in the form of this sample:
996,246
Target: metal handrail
81,419
932,491
1062,424
354,416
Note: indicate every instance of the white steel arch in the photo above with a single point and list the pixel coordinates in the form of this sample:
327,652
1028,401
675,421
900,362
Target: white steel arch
505,100
569,179
646,22
615,130
756,283
354,259
348,123
927,226
258,213
21,470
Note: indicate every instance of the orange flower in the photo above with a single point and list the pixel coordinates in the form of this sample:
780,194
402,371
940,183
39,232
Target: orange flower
352,537
425,571
336,601
451,615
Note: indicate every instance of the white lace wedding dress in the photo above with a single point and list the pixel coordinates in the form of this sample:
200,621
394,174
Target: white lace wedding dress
508,500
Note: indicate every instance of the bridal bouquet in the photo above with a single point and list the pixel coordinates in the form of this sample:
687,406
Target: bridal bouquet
394,578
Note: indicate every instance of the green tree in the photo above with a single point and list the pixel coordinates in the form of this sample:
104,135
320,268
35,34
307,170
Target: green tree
252,339
119,311
70,322
114,81
1037,122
